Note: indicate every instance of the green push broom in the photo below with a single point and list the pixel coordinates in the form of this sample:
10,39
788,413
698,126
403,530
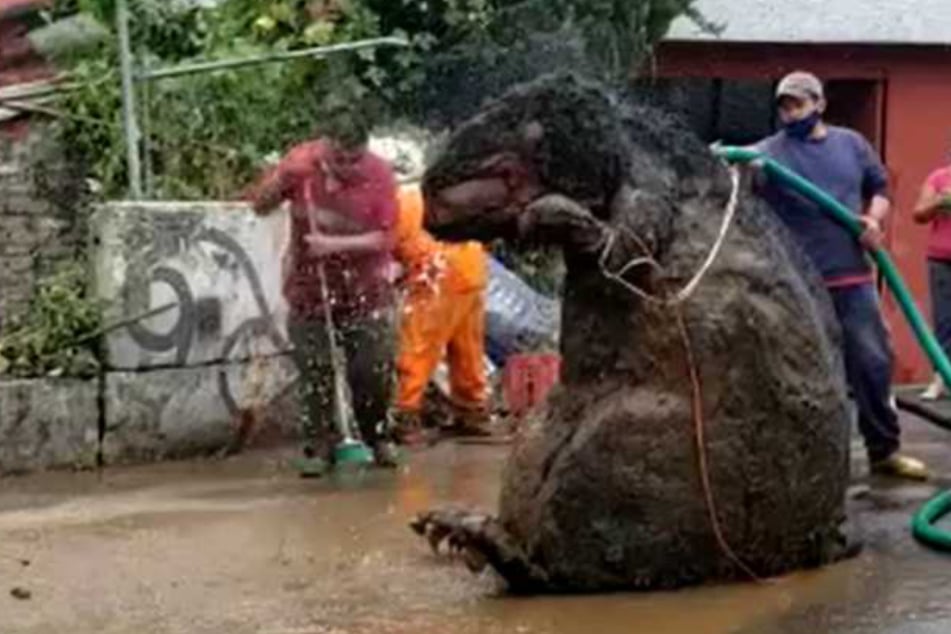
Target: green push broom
350,451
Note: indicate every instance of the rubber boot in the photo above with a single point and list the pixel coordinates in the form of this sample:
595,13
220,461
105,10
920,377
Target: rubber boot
901,467
935,390
310,464
386,454
472,423
407,429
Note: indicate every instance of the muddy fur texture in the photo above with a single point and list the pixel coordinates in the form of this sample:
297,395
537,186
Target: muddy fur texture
603,490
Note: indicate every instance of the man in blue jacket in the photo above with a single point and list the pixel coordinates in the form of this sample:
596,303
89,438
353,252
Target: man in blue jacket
843,163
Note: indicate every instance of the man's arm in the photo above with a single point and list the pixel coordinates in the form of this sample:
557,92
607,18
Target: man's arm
268,193
275,186
322,244
379,237
879,208
874,220
875,189
931,203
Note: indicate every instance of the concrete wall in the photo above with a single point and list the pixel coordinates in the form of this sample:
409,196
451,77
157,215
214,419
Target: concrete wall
48,423
217,263
43,222
206,409
193,378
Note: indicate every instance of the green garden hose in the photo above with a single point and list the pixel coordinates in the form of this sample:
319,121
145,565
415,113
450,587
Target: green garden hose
923,526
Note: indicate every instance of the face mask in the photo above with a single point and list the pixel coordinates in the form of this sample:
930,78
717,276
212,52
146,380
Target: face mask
803,128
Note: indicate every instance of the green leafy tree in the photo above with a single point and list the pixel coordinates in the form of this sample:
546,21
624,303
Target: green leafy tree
617,34
207,135
171,29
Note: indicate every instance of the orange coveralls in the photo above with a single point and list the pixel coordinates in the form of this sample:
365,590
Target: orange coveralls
444,311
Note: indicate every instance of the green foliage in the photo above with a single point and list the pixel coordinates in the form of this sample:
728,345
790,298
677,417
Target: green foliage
207,135
210,134
172,29
93,129
57,335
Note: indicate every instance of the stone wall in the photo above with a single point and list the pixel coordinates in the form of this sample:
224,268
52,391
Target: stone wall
216,267
43,222
42,215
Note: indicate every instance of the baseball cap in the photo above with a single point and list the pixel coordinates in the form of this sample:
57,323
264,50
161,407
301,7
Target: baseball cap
801,85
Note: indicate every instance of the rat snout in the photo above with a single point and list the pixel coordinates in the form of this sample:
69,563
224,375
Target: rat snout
475,195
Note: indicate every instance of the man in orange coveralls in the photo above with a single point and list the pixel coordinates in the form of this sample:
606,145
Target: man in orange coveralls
443,313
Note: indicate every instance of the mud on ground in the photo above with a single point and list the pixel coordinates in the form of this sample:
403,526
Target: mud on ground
241,546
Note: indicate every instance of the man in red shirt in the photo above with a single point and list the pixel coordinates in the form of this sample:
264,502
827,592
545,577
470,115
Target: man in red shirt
343,212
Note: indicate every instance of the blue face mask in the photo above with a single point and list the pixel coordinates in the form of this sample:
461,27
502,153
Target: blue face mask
803,128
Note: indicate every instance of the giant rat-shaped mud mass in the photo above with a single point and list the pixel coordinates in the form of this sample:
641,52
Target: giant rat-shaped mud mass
606,489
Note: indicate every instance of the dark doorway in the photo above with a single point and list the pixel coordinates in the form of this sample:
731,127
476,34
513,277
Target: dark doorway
858,105
730,111
741,112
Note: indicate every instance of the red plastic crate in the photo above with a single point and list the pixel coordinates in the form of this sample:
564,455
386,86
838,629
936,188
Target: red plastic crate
527,380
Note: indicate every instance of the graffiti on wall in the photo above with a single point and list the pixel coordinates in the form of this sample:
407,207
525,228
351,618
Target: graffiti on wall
218,271
201,317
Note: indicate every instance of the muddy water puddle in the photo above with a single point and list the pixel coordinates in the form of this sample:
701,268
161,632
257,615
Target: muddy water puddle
241,546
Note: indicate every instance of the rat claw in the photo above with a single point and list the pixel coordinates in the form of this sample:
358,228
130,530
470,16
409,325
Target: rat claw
457,543
434,540
457,528
419,524
474,559
436,534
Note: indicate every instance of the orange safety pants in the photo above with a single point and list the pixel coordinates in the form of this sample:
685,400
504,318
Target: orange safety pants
437,323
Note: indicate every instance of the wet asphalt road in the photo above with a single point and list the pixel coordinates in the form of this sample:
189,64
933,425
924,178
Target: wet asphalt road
242,546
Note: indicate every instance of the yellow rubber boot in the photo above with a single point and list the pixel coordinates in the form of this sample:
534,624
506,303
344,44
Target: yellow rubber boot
904,467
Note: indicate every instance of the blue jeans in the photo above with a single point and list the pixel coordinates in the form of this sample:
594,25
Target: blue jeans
868,367
939,281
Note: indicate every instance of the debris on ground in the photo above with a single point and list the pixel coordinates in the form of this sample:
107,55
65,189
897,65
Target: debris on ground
21,594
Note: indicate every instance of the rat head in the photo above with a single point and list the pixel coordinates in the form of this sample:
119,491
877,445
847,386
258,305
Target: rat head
558,135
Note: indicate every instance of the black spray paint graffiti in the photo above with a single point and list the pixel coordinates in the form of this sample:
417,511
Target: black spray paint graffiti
180,336
190,314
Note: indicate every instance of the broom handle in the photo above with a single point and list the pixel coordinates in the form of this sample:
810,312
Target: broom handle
340,408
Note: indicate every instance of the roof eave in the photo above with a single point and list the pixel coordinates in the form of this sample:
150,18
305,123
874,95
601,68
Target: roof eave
713,39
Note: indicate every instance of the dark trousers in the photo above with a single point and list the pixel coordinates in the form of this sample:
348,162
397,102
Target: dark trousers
868,365
939,281
367,344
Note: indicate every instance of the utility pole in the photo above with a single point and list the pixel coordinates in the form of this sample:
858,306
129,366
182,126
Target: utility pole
130,123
